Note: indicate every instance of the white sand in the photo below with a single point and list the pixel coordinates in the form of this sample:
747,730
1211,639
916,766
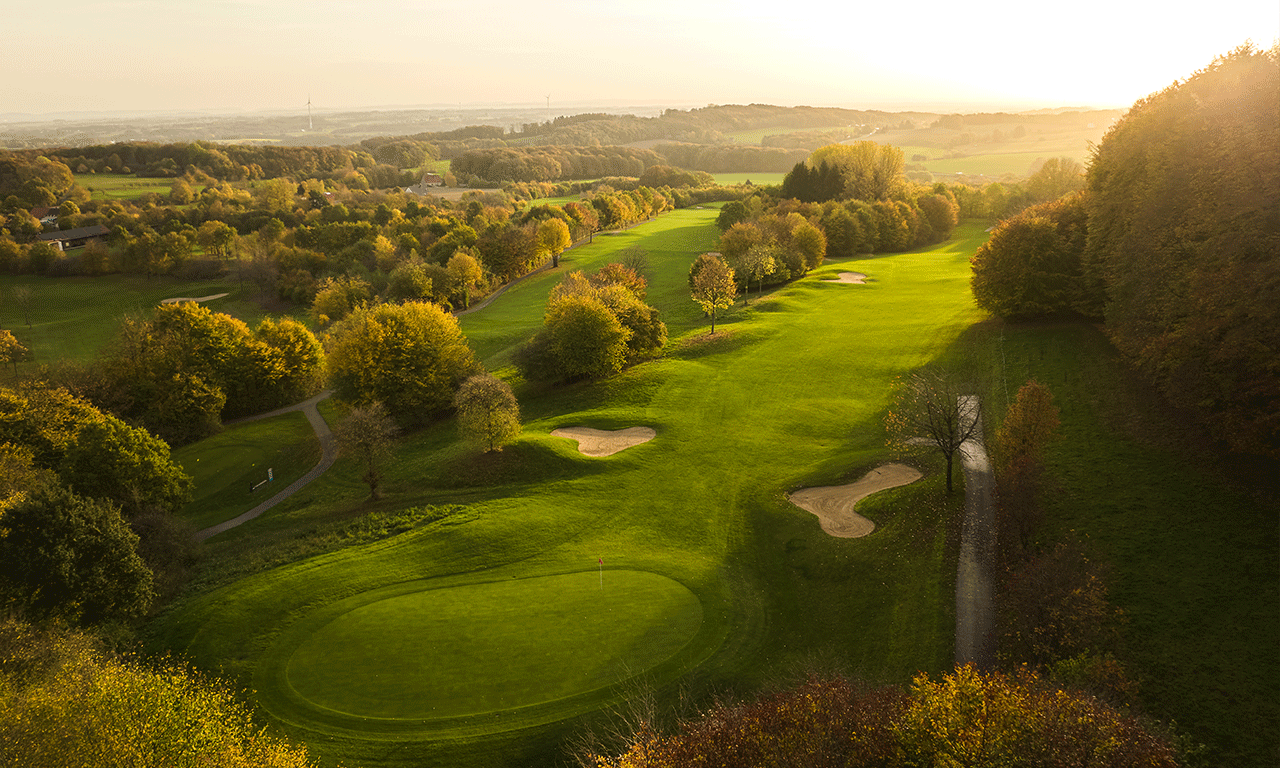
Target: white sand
833,504
855,278
599,442
202,298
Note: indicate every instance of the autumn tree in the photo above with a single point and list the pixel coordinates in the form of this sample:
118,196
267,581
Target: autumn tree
465,274
368,433
1058,176
932,410
337,297
713,286
553,238
1183,235
488,413
11,350
1029,425
411,357
757,263
67,703
965,717
1032,266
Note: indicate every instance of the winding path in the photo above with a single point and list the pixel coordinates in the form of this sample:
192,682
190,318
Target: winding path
975,601
328,455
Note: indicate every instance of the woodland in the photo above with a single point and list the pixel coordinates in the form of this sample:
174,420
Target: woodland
1166,238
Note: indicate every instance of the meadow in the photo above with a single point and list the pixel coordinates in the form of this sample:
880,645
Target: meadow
710,578
114,186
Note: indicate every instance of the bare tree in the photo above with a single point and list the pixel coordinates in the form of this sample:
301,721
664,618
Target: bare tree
368,433
22,296
933,411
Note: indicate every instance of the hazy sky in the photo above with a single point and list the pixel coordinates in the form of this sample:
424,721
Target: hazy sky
271,54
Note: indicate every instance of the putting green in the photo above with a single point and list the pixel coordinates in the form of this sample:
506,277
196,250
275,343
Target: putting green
444,653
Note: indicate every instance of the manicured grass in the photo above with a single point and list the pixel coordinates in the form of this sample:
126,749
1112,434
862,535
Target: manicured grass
1189,533
410,651
225,466
1017,163
73,318
789,392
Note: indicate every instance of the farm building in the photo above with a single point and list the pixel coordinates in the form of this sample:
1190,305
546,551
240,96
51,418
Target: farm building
74,238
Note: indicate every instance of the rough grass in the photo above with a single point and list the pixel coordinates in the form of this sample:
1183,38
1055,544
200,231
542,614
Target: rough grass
793,398
1189,532
759,179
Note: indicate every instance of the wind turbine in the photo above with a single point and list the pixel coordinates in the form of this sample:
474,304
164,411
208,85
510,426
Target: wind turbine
309,125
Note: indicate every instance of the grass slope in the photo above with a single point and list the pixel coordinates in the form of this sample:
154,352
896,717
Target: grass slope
1190,534
789,392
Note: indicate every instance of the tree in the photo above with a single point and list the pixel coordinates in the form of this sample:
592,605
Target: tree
488,413
125,465
1057,177
465,273
586,339
732,213
1029,424
409,281
64,702
70,557
22,297
11,350
810,243
932,411
1032,267
337,297
713,286
553,238
757,263
368,433
411,357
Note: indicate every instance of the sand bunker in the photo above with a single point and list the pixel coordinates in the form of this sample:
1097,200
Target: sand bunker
833,504
599,442
202,298
856,278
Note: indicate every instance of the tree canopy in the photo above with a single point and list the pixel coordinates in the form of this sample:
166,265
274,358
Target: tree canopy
1184,232
412,357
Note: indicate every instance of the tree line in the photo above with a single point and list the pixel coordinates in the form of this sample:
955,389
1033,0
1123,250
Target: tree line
1173,244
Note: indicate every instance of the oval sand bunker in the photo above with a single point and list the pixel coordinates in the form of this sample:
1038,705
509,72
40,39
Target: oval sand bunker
855,278
833,504
600,442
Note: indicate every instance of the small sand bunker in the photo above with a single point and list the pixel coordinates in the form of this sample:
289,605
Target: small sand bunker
202,298
599,442
833,504
856,278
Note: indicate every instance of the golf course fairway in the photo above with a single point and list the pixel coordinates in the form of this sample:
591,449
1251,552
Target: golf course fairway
410,651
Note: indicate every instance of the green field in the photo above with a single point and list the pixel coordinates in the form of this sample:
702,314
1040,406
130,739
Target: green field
788,393
110,186
73,318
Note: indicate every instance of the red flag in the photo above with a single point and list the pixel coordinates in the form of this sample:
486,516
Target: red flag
602,561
